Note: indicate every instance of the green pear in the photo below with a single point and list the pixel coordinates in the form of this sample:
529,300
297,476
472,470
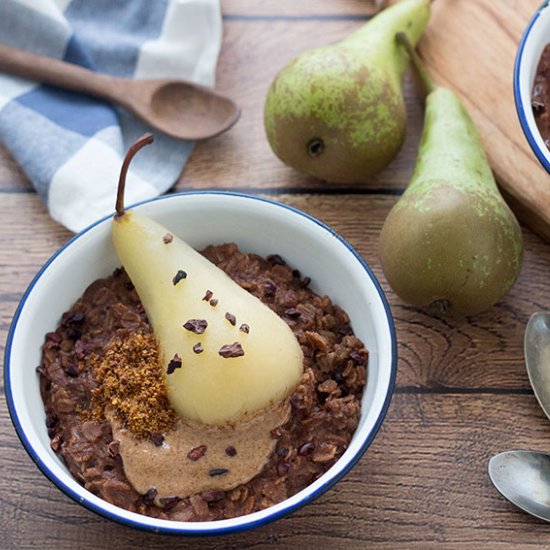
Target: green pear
224,353
337,112
451,240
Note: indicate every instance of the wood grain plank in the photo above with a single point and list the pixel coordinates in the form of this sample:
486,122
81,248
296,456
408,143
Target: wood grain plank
436,352
423,483
303,8
482,76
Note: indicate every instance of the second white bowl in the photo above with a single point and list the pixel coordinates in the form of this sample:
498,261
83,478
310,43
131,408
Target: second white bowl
535,37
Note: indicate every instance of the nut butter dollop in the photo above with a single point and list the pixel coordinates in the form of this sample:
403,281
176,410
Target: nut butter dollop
196,457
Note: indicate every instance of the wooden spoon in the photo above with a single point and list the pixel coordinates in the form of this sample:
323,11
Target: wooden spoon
177,108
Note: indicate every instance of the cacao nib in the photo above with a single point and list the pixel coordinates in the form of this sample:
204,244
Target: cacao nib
231,318
218,472
168,238
198,326
157,439
71,371
197,348
207,296
150,496
231,451
197,452
275,259
231,350
175,363
180,275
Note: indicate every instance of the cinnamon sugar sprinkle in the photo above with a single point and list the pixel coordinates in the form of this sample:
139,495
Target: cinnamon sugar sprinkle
131,385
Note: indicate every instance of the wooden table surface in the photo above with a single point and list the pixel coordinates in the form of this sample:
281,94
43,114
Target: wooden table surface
462,392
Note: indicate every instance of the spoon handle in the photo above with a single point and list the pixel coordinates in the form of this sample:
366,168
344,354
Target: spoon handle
58,73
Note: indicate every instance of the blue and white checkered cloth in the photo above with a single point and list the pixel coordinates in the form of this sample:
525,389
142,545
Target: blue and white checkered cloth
70,145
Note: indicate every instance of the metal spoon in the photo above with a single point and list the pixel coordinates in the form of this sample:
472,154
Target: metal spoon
523,477
177,108
537,357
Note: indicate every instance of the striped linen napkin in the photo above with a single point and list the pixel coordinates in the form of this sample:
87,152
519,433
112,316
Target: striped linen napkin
70,145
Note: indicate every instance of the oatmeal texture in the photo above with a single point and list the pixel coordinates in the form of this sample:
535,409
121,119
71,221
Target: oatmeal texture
540,100
324,408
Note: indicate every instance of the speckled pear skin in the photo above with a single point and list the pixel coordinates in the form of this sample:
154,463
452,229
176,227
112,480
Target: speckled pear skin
349,95
451,239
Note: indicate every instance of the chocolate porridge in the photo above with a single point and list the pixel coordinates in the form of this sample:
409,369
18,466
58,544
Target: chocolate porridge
324,409
540,100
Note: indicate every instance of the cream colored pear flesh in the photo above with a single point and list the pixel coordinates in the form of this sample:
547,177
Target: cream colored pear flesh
224,353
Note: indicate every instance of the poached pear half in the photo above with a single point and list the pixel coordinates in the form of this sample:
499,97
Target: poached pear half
337,112
223,352
451,240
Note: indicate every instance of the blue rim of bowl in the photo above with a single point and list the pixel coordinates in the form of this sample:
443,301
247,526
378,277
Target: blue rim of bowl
539,153
207,531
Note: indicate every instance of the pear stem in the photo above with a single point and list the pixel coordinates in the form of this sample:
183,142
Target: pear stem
145,139
428,83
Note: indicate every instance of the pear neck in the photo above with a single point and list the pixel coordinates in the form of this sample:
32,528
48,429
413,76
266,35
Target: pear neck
379,34
450,149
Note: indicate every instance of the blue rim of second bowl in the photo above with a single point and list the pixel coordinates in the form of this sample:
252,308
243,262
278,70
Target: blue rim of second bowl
167,530
539,153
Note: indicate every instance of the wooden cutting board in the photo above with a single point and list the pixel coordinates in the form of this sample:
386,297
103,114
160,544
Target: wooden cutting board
470,46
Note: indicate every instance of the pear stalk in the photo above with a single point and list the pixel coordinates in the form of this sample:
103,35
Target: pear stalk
419,67
141,142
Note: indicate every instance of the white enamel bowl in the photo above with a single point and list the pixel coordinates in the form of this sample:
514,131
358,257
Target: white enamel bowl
535,38
256,225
